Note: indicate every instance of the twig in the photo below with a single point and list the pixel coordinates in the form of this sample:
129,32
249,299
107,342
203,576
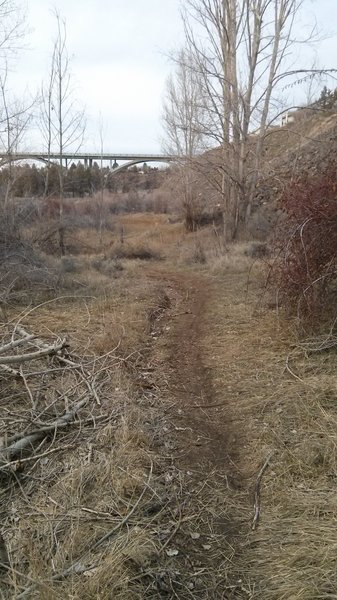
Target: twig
173,533
33,403
291,371
207,405
29,439
257,495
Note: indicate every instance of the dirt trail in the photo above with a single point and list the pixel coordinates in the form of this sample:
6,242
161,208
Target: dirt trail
202,439
233,409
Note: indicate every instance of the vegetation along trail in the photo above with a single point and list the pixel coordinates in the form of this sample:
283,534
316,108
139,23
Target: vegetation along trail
185,441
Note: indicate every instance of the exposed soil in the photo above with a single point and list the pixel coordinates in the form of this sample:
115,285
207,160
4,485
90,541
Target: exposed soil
203,438
200,438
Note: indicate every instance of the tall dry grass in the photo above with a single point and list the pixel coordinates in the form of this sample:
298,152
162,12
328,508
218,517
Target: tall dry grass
280,402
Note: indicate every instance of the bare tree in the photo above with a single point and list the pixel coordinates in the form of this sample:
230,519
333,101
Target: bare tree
46,127
183,108
183,113
241,53
15,114
100,199
12,30
14,119
63,122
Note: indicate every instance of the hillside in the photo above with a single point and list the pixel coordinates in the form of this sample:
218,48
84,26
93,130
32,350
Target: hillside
308,145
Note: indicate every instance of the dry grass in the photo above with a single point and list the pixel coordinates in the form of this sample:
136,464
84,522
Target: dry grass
291,414
82,496
134,251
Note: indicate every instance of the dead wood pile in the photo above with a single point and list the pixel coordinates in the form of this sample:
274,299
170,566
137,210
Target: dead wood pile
59,500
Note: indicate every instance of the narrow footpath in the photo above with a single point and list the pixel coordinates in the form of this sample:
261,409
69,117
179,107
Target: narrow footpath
203,354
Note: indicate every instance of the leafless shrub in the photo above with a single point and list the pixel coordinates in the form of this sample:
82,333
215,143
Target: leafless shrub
197,255
305,244
135,251
27,211
69,264
23,270
107,267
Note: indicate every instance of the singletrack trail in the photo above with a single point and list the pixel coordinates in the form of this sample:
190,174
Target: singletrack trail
204,436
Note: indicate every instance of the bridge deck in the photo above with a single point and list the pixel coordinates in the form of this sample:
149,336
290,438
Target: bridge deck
87,155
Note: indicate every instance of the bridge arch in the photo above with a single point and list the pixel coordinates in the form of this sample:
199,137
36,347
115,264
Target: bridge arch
132,163
5,159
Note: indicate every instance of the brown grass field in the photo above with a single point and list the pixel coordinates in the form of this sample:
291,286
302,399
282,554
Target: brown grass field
207,469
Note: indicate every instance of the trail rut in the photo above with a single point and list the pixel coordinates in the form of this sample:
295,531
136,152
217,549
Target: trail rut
201,443
202,434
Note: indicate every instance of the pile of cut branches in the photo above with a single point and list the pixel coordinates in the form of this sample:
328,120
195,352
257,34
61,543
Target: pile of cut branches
62,438
45,409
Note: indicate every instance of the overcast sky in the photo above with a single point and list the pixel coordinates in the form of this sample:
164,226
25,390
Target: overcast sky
119,63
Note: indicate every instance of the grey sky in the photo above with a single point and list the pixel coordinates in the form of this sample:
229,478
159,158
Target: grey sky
118,51
119,61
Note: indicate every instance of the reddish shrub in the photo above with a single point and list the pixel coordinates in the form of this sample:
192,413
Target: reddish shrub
305,268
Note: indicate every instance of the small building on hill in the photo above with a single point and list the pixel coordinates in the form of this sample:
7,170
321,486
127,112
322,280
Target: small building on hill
288,117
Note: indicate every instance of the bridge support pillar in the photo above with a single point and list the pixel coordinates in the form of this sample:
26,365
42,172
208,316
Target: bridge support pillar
90,162
85,163
115,165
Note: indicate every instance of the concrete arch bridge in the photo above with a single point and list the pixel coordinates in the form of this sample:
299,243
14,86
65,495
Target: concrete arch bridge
88,158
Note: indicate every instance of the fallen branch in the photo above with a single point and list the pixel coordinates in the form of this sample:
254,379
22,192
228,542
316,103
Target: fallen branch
26,442
320,344
21,358
7,369
17,463
66,361
24,340
257,495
